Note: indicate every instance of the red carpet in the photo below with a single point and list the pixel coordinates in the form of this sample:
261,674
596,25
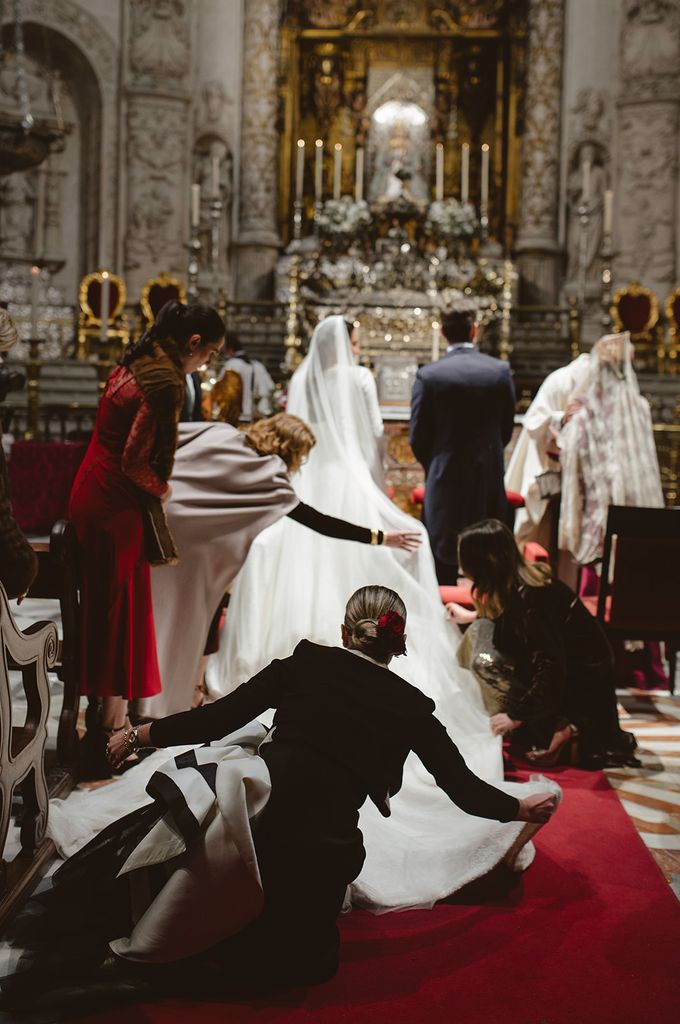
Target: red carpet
589,935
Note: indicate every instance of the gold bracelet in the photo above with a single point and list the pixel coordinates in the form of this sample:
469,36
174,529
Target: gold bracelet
374,536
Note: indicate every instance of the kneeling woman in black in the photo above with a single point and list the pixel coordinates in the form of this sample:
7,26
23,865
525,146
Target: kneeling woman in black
545,664
343,728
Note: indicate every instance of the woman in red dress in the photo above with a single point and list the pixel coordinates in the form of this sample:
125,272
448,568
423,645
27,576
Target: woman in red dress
117,509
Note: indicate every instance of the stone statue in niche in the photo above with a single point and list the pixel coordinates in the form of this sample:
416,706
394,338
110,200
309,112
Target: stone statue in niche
206,150
590,129
400,131
651,38
214,101
159,38
17,214
149,225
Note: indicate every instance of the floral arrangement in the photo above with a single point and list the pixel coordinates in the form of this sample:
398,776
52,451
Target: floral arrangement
343,217
450,221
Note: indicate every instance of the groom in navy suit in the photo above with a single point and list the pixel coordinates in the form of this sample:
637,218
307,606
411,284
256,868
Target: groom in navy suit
462,415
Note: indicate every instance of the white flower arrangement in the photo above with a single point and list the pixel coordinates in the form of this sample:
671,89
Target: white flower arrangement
449,220
343,217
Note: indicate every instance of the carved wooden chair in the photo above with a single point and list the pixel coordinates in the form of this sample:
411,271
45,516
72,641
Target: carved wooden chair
636,309
22,746
90,319
156,292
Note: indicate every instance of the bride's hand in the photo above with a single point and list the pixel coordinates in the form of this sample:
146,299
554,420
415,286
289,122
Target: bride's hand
538,808
403,539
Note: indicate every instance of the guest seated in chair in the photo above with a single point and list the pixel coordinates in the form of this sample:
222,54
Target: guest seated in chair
543,662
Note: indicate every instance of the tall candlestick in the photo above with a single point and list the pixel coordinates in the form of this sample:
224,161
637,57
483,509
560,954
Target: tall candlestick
359,176
318,171
300,170
435,341
337,170
608,221
485,176
215,176
105,306
585,181
35,299
439,180
195,205
465,173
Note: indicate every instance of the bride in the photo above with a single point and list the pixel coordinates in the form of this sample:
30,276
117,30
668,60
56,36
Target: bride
283,595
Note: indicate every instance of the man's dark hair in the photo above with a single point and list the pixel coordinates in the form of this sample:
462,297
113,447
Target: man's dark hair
456,326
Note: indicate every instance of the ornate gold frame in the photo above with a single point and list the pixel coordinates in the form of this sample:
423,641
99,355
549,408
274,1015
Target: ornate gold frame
634,289
670,315
86,309
162,281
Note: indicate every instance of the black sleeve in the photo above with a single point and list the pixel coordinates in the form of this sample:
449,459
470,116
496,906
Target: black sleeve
420,424
547,664
328,525
508,424
443,760
212,722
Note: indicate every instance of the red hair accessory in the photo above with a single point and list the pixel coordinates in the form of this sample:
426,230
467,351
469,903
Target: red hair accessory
391,632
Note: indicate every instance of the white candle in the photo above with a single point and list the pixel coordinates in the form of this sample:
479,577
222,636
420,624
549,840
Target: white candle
105,306
465,173
215,176
195,205
337,170
318,171
435,341
39,236
585,181
35,300
439,180
359,176
485,175
608,211
299,170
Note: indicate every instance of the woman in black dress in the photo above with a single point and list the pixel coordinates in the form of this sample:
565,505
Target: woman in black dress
552,658
343,728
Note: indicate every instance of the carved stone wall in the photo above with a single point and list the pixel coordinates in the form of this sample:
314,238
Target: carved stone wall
648,229
537,243
158,91
258,240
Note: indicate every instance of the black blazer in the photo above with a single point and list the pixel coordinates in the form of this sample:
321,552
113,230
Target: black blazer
194,415
343,709
462,415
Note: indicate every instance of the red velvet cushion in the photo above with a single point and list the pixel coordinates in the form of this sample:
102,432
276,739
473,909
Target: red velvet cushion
635,311
94,297
515,500
417,495
461,595
41,474
159,294
534,552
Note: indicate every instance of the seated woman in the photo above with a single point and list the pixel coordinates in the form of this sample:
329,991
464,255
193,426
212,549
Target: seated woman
545,664
343,728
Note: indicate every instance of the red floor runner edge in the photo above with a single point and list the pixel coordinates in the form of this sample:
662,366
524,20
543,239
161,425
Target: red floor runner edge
589,935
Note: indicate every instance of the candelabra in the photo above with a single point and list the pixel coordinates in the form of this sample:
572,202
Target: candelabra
606,255
194,246
483,223
505,345
297,220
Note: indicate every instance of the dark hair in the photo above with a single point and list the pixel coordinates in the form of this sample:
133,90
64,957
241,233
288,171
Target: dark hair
232,342
349,324
488,554
456,326
178,323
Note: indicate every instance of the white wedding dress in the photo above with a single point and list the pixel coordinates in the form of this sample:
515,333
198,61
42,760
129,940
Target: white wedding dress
295,585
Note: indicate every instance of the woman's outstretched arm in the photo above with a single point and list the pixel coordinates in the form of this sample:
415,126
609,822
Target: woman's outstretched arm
329,526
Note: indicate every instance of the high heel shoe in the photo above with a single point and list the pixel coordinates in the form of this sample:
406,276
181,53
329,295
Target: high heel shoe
564,752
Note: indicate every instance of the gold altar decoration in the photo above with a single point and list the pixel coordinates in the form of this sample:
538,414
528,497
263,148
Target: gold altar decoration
672,310
157,291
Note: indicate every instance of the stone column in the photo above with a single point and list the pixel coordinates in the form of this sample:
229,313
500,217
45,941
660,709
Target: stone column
646,220
258,241
157,90
537,247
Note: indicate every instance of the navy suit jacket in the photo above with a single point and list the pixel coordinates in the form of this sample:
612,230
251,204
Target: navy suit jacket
195,414
462,415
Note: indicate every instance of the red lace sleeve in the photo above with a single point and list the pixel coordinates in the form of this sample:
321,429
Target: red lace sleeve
135,461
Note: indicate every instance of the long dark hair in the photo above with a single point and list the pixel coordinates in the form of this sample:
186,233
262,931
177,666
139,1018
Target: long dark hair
488,554
178,323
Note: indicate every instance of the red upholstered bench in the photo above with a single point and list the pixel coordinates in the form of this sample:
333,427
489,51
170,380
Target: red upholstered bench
459,594
514,499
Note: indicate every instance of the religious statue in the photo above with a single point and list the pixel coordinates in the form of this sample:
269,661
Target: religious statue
17,213
398,168
588,153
